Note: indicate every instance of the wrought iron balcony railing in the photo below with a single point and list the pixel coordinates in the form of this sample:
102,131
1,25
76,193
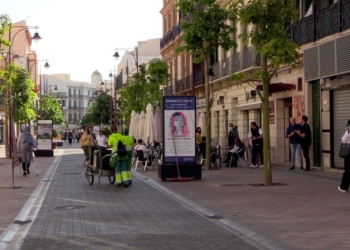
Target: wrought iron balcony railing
328,21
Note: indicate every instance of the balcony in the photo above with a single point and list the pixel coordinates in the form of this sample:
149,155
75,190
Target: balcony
240,61
328,21
183,84
168,91
173,32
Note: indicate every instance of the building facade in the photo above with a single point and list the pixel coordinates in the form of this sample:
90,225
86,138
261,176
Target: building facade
74,96
314,88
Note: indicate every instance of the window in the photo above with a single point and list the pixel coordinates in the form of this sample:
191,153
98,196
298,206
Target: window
300,84
70,91
70,103
70,117
75,103
63,103
88,92
79,117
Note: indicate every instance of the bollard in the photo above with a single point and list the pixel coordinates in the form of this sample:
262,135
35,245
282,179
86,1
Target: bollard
218,154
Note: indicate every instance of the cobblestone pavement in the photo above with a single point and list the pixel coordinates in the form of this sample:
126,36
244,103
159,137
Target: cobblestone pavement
105,217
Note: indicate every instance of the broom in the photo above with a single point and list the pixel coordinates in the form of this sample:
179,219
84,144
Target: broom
179,179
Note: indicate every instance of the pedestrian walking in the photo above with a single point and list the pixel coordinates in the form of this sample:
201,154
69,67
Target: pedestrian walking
26,146
305,134
70,137
294,141
86,141
101,139
198,142
118,162
232,134
345,181
129,144
256,135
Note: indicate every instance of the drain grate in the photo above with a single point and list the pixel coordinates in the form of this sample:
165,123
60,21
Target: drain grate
262,185
233,185
215,217
69,207
45,180
69,173
21,222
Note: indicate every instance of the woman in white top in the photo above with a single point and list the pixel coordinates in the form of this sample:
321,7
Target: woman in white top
101,139
345,182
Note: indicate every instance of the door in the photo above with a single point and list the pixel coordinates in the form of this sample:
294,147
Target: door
316,126
340,114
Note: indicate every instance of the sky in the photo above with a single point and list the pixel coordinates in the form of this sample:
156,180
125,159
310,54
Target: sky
80,36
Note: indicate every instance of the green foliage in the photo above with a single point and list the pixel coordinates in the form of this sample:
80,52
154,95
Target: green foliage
107,131
269,19
19,80
207,30
54,133
143,88
5,25
51,109
99,110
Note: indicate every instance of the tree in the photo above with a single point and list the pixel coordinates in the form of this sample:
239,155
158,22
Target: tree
269,36
51,110
5,25
143,88
23,95
207,31
99,111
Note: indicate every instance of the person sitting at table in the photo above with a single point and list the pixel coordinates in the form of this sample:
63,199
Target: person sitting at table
239,145
146,151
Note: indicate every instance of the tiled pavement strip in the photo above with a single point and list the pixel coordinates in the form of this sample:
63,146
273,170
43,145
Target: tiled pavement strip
138,217
307,213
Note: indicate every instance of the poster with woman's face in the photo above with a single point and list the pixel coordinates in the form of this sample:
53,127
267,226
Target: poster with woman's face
179,129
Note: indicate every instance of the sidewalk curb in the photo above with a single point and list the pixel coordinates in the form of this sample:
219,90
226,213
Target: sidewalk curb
253,238
30,209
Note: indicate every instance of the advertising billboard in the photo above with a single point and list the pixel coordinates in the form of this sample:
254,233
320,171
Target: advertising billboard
44,135
179,120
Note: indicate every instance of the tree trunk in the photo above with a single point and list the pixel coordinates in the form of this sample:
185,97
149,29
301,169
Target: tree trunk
207,114
266,123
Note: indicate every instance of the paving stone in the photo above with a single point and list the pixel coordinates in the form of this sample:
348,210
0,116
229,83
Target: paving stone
138,217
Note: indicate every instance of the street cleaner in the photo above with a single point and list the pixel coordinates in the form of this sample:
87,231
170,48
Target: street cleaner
129,144
119,158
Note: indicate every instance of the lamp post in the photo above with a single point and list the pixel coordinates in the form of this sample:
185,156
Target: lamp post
116,57
46,88
10,127
136,56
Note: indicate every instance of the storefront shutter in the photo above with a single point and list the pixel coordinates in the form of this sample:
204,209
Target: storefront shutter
341,115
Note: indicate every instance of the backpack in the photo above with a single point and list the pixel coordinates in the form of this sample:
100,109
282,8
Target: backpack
121,150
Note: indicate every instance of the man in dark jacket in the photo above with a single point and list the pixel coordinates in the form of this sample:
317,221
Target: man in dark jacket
305,140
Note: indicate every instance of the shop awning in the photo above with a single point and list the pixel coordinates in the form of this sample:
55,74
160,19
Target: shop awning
277,87
248,106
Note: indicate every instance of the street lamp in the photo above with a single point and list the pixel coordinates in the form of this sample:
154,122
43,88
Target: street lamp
136,56
9,128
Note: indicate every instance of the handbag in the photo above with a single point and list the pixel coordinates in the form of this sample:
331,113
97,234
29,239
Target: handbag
344,150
